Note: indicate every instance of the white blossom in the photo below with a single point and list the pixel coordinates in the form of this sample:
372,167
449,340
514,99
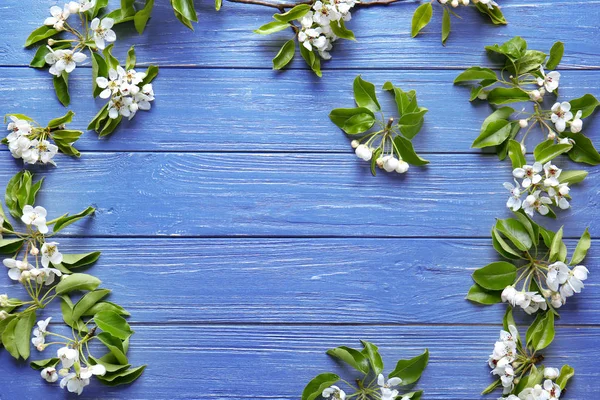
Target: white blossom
552,388
552,173
59,17
67,356
36,217
75,383
387,393
363,152
3,315
549,81
561,114
530,302
39,333
535,202
49,374
16,268
560,194
334,392
103,32
50,254
551,373
514,200
558,273
529,173
577,123
63,60
574,283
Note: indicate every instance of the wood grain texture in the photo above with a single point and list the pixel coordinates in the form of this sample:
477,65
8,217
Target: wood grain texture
225,39
233,110
208,194
275,362
332,281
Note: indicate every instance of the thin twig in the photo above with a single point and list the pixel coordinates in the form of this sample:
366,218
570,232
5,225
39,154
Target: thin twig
282,6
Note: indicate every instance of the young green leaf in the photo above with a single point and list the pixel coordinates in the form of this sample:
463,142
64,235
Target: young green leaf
272,27
494,134
352,357
353,120
556,53
185,8
503,248
515,232
70,283
516,154
411,370
65,119
421,18
583,149
495,276
122,377
72,261
340,30
311,60
285,55
131,60
41,364
541,332
67,220
87,302
586,104
105,306
407,152
476,74
582,248
478,294
39,34
572,176
364,94
315,387
566,373
61,87
445,26
295,13
140,19
502,95
556,246
22,333
372,353
8,336
114,345
112,323
548,150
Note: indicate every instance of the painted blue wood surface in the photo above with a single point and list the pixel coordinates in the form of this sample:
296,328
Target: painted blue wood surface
255,240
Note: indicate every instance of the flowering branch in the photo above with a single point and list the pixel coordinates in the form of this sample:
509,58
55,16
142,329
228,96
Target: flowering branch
389,147
46,274
372,384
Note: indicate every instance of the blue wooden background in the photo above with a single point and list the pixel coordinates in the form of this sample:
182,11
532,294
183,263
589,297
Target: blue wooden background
246,238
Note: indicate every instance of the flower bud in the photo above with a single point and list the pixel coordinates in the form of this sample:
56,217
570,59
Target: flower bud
523,123
523,149
576,125
482,95
443,1
3,300
551,136
535,95
551,373
454,3
51,42
354,144
73,7
402,167
40,347
3,315
390,164
34,251
465,2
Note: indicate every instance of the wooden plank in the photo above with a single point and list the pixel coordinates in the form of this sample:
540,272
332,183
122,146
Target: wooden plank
275,362
214,194
225,39
342,281
233,110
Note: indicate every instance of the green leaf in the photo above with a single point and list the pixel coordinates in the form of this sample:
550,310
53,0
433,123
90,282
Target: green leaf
272,27
503,248
100,4
311,60
105,306
285,55
499,114
23,329
99,68
70,283
123,377
445,26
9,338
480,295
413,118
113,323
111,61
39,58
476,74
110,368
61,87
67,220
494,134
411,370
515,232
572,176
541,332
315,387
352,357
131,60
339,29
586,104
530,61
531,227
495,13
583,149
421,18
556,53
41,364
412,395
353,120
114,345
185,8
41,33
151,74
535,377
65,119
407,152
495,276
566,373
374,158
295,13
556,245
364,94
87,302
140,20
372,353
516,154
514,48
582,248
10,246
548,150
502,95
72,261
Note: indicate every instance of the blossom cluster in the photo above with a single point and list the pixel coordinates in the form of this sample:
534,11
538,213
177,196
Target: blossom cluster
126,92
549,390
23,142
386,388
389,163
541,190
502,360
316,32
455,3
562,282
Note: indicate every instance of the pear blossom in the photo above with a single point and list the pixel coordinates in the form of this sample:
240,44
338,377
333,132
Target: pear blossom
514,201
39,334
45,276
387,393
560,194
3,315
531,302
553,389
551,373
574,282
334,392
59,17
81,6
63,60
103,32
67,356
577,123
50,254
49,374
558,273
561,114
552,173
549,81
3,300
363,152
535,202
36,217
75,383
18,127
119,106
529,173
508,295
16,268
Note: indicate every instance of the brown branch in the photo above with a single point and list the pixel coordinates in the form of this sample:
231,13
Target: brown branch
282,6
